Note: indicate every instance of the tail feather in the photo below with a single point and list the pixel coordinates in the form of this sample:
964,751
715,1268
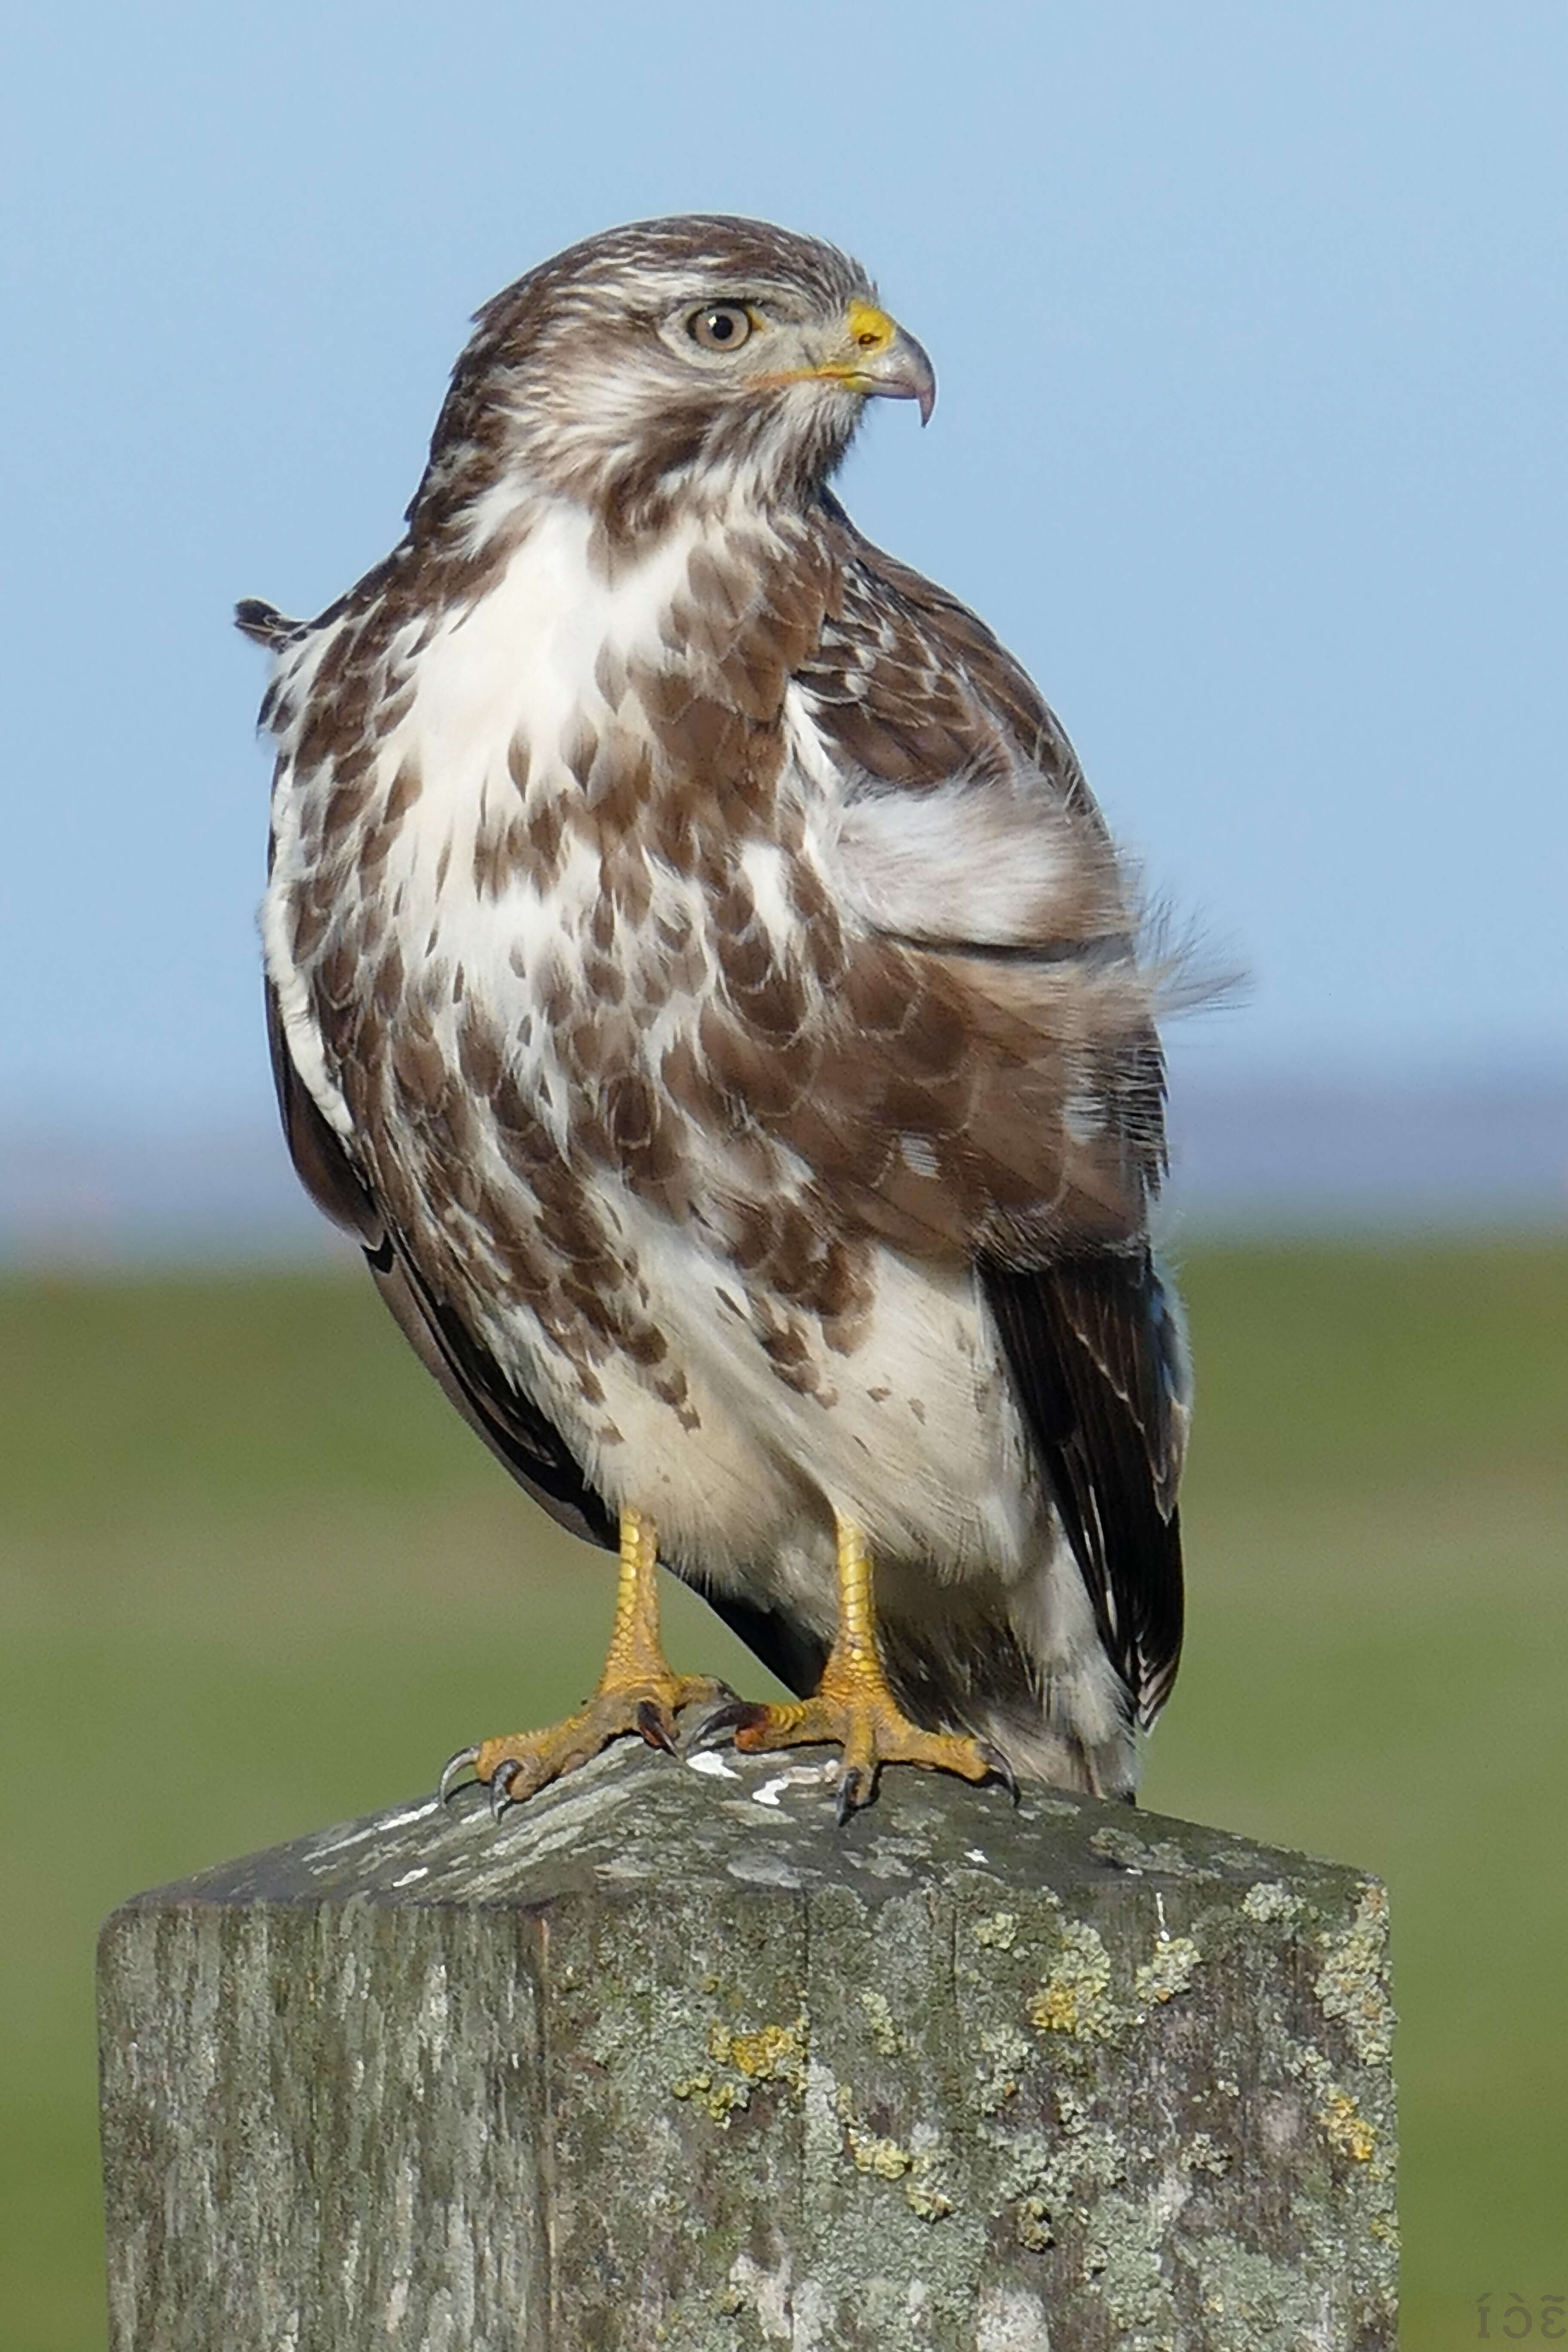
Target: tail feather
263,624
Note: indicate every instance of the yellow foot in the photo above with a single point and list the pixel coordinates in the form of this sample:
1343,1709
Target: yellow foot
517,1766
867,1723
855,1709
638,1691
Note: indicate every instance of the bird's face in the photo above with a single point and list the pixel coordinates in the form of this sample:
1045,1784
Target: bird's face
743,346
700,356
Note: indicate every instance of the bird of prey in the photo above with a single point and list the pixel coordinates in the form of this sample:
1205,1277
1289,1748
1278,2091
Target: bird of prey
701,978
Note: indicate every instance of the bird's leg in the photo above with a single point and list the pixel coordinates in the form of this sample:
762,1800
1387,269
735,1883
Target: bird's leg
854,1707
639,1690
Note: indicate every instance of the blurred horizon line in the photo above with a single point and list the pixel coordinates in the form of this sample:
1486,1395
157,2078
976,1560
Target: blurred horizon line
1261,1154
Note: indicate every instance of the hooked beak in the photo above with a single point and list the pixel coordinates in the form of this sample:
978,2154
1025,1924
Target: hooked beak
883,362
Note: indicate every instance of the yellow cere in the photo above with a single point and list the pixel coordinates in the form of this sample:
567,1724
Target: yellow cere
871,329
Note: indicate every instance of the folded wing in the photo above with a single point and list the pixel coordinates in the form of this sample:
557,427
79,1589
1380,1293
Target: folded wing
973,856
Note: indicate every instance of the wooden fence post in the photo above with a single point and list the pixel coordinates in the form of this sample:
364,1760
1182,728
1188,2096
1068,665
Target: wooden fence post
667,2059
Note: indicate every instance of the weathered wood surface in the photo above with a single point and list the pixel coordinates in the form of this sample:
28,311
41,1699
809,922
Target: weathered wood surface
667,2058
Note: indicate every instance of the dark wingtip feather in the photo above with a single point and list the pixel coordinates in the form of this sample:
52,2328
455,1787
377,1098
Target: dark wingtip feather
1097,1363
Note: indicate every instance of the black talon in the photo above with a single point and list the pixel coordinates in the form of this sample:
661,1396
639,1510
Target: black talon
855,1790
653,1727
1002,1770
732,1714
501,1784
449,1783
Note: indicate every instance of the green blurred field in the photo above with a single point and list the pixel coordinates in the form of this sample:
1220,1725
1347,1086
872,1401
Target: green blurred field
254,1576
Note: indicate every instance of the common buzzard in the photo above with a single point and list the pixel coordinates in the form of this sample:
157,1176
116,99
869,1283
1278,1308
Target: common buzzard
700,976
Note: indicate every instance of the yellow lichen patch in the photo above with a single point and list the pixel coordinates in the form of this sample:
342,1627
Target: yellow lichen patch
886,2159
997,1932
1075,1998
1353,1983
1009,2054
774,2054
1032,2224
1347,2127
715,2099
1168,1973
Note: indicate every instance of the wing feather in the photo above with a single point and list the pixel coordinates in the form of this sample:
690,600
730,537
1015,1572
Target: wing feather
510,1423
969,842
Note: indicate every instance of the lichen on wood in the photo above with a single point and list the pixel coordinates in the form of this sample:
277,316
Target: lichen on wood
667,2057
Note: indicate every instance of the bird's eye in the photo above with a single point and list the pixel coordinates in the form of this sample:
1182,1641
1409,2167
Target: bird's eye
721,327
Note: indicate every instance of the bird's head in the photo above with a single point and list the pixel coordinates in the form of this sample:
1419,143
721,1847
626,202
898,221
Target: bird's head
700,357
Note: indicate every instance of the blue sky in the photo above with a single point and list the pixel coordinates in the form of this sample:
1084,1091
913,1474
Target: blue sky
1251,327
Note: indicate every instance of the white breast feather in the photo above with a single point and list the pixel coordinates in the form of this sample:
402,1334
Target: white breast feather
920,1440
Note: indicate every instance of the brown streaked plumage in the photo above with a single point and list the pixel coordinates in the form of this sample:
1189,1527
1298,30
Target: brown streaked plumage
700,975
